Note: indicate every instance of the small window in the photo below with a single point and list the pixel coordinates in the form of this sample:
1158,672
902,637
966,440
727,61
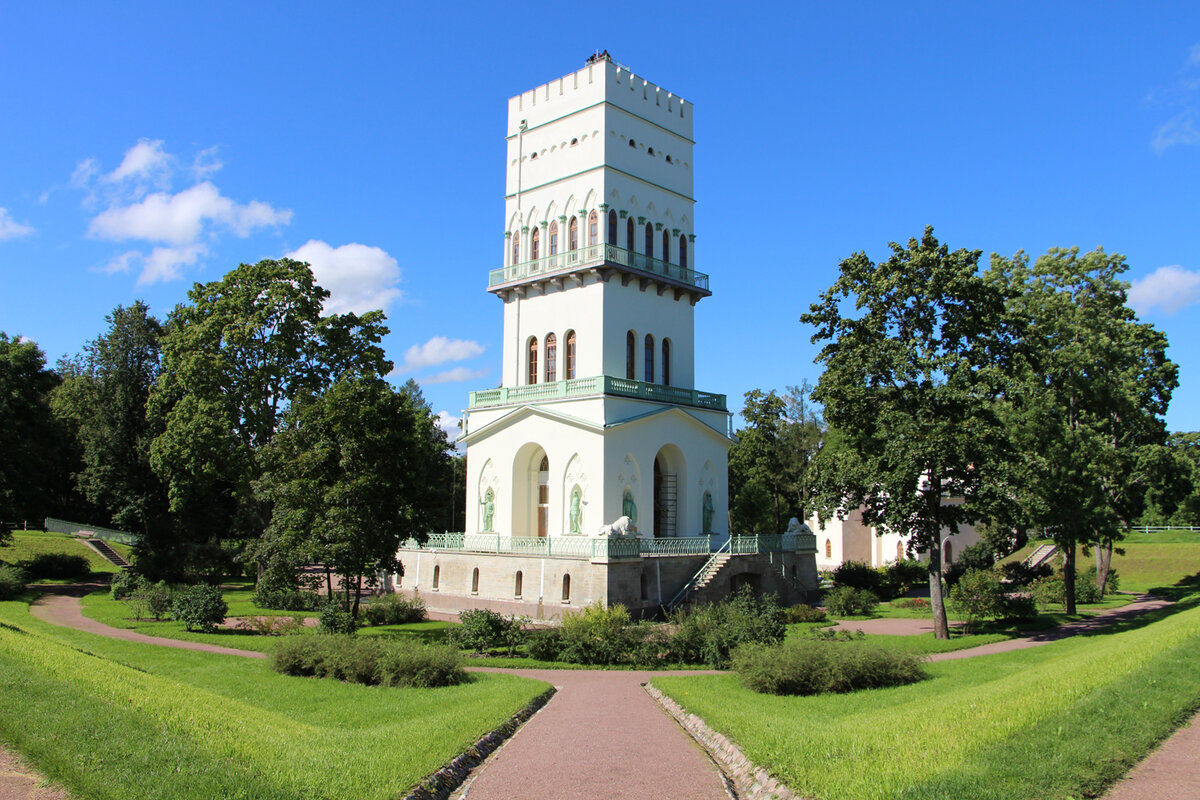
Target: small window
949,555
828,549
533,360
669,161
516,248
517,585
551,358
650,151
437,576
593,227
629,234
566,594
683,251
533,157
570,355
573,234
649,240
553,238
630,351
475,581
574,142
666,255
649,359
535,240
632,143
666,362
612,227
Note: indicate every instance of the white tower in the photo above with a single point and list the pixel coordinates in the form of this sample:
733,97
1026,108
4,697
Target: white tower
598,415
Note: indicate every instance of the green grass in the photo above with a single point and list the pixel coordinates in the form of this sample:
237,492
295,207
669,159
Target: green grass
1150,559
114,719
27,544
1062,720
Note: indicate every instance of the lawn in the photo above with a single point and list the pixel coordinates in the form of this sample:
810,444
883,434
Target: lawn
1062,720
27,544
114,719
1150,559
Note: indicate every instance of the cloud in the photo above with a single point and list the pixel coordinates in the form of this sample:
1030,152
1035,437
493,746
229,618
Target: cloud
359,278
160,265
1184,93
1180,129
179,219
449,423
1194,56
439,350
145,160
1170,288
206,163
10,228
456,375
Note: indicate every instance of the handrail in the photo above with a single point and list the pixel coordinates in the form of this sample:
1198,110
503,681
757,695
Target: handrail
725,548
597,385
594,255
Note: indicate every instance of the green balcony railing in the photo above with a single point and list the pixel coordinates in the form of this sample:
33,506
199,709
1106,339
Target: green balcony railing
594,256
603,547
599,385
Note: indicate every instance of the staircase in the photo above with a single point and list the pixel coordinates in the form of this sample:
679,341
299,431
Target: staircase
706,575
105,550
1041,555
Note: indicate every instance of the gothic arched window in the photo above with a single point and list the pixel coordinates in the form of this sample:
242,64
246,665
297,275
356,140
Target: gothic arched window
612,227
649,359
683,251
534,241
649,240
518,582
629,235
573,234
553,239
666,362
828,549
593,227
516,248
666,256
630,351
533,359
570,355
551,358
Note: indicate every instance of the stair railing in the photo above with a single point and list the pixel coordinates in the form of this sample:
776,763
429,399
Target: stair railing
700,575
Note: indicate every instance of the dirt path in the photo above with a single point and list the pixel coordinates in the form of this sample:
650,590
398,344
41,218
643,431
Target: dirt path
18,781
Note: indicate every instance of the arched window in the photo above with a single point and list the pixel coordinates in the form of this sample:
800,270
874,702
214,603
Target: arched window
828,549
543,498
517,585
593,227
534,241
570,355
573,234
612,227
516,248
437,575
666,362
649,240
629,235
475,581
948,558
683,251
632,143
666,255
899,551
533,355
551,358
649,370
630,352
553,239
566,588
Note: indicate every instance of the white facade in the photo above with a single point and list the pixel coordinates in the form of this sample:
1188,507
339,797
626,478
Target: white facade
598,414
841,540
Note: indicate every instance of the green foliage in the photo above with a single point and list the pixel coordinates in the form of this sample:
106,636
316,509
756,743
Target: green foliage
159,598
803,613
543,644
56,566
857,575
919,603
481,630
1020,576
336,619
199,606
371,661
395,609
978,595
901,577
814,667
125,583
978,556
12,581
288,600
846,601
707,634
597,635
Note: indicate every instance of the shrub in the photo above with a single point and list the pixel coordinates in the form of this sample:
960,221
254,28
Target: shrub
597,635
158,597
804,613
336,618
1020,606
394,609
12,581
899,578
919,603
544,645
1048,590
1019,576
56,566
978,556
287,600
856,575
481,630
979,595
125,583
199,606
270,626
846,601
1089,576
708,634
816,667
369,661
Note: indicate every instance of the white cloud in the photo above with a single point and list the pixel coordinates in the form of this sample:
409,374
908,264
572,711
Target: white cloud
84,172
145,160
1194,56
449,423
165,263
1180,129
359,278
1170,288
10,228
179,219
439,350
456,375
206,163
122,263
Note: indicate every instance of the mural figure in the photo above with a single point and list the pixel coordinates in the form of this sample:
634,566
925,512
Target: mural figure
708,512
576,498
489,510
628,507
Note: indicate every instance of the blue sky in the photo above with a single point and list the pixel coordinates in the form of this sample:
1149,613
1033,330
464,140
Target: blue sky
146,146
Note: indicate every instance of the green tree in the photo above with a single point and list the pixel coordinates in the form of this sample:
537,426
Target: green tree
1091,386
913,349
756,480
234,358
353,472
1177,502
801,437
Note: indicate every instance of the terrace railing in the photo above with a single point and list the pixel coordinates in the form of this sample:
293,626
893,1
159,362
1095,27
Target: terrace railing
595,255
619,547
598,385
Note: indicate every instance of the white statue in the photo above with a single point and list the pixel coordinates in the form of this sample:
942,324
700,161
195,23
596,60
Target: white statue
621,528
796,526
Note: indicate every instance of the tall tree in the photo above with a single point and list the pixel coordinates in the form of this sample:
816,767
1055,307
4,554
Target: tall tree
757,485
801,437
913,349
233,360
1086,407
353,472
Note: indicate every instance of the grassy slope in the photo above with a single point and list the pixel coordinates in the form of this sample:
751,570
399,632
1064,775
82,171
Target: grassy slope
1060,720
112,719
27,544
1150,559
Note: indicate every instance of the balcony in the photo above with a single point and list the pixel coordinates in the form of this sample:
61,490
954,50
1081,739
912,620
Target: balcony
603,548
595,387
595,256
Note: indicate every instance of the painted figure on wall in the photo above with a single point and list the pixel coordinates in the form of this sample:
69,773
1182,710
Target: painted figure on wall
708,512
628,507
489,510
576,513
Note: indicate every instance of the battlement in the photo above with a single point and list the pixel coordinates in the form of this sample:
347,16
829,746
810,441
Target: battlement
601,80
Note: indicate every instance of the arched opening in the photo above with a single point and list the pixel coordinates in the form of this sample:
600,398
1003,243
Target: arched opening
530,492
649,365
828,548
948,554
666,239
649,240
573,234
475,581
532,373
669,479
630,352
551,358
612,227
566,592
534,243
899,551
570,365
683,251
518,582
543,498
516,248
437,576
666,362
629,235
553,239
593,227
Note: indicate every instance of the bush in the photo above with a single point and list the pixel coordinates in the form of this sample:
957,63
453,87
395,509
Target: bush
1020,606
978,556
371,661
394,609
816,667
287,600
709,634
979,595
481,630
597,635
846,601
544,645
125,583
270,626
899,578
12,581
1049,590
336,618
1020,576
856,575
1089,577
56,566
199,606
919,603
804,613
158,597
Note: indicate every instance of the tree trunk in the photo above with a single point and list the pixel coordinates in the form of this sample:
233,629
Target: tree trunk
1103,563
1069,575
941,629
328,585
357,595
